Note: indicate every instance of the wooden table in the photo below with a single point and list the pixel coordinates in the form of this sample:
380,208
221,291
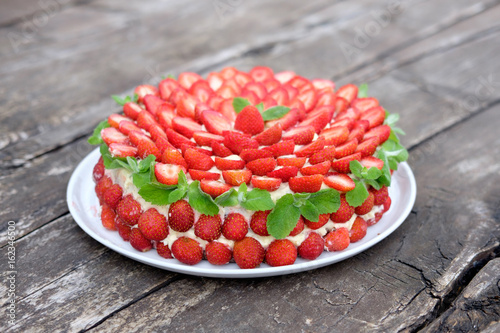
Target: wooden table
433,62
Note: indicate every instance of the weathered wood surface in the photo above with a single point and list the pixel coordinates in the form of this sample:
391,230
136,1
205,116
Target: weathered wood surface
433,62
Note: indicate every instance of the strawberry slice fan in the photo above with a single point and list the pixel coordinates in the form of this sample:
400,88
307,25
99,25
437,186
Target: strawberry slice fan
245,167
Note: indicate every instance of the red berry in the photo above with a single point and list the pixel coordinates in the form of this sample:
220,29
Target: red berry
138,241
367,205
339,181
312,246
129,210
235,227
311,148
199,175
218,253
284,173
262,166
237,177
249,155
297,162
153,225
168,174
308,184
281,148
213,187
173,156
208,227
229,164
187,251
301,135
113,195
337,240
380,195
197,160
249,121
344,213
163,250
102,185
387,204
180,216
98,171
123,229
270,136
266,183
248,253
316,169
258,223
108,217
281,252
358,230
298,227
323,219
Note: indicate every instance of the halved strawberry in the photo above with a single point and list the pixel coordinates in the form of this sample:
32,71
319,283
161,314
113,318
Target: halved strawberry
268,102
186,106
284,173
168,174
292,94
215,80
374,115
300,83
215,122
242,78
250,96
363,104
185,126
261,73
197,160
165,114
203,138
311,148
285,76
349,92
270,136
157,132
200,174
357,133
236,142
177,139
201,90
173,156
301,135
144,90
339,181
252,154
335,135
280,95
163,144
346,149
365,124
309,98
320,168
145,120
368,146
112,135
145,146
236,177
229,163
287,121
186,79
371,161
115,119
215,101
127,126
262,166
226,91
383,132
326,98
292,161
323,219
228,73
257,88
220,150
249,121
226,109
214,188
271,85
342,165
346,122
326,154
328,109
322,84
122,150
152,102
341,104
233,85
166,87
198,110
308,184
132,110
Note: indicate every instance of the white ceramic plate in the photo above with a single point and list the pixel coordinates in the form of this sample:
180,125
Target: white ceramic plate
83,205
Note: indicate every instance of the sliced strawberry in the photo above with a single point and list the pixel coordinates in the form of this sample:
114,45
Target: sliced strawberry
257,88
236,177
300,82
326,154
316,169
115,119
167,86
349,113
280,95
127,126
214,188
292,94
252,154
198,110
220,150
250,96
287,121
371,161
308,184
200,174
260,73
382,132
329,109
144,90
284,173
270,136
271,85
345,122
236,142
349,92
137,136
339,181
375,116
249,121
226,91
344,213
177,140
268,102
197,160
215,122
346,149
165,115
214,102
292,161
201,90
112,135
145,120
262,166
363,104
122,150
228,73
186,106
132,110
163,144
301,135
229,163
309,98
157,132
152,102
341,104
311,148
226,109
357,133
242,78
186,79
322,84
173,156
342,165
233,85
285,76
326,98
168,174
215,80
185,126
362,123
380,196
335,135
368,146
203,138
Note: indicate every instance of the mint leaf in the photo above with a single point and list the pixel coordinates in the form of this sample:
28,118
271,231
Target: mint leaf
239,104
283,218
227,199
257,199
110,162
176,195
391,119
140,179
135,98
155,195
96,139
363,90
260,107
385,178
357,196
356,168
132,163
326,201
275,112
182,188
201,201
372,173
373,183
119,100
309,211
145,164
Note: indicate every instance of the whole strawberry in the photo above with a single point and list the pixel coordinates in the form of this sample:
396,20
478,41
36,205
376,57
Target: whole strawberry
208,227
108,217
138,241
358,230
248,253
367,205
180,216
337,240
113,195
101,187
380,195
218,253
98,171
153,225
298,227
235,227
344,213
163,250
249,121
123,229
129,210
281,252
312,246
258,223
323,219
187,251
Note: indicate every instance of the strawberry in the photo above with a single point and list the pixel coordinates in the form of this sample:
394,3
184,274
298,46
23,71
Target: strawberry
167,86
375,116
186,106
153,225
311,247
229,164
266,183
236,177
280,95
349,92
123,229
327,154
198,110
220,150
287,121
250,96
346,149
127,126
98,171
321,84
145,120
374,220
326,98
208,227
362,123
248,253
165,115
168,174
122,150
364,104
382,132
339,181
260,73
342,165
319,121
358,230
258,222
129,210
301,135
138,241
235,227
213,187
284,173
180,216
308,184
249,121
380,196
145,146
185,147
297,162
228,73
337,240
214,102
236,142
218,253
186,79
113,195
112,135
173,156
357,133
281,252
371,161
157,132
323,219
299,227
108,217
387,204
249,155
292,95
102,186
177,140
226,91
328,109
350,113
201,90
335,135
368,146
309,97
262,166
281,148
163,250
344,213
132,110
197,160
205,139
347,122
367,205
316,169
270,136
300,82
227,111
311,148
269,102
284,77
152,102
199,175
341,104
185,126
115,119
187,250
144,90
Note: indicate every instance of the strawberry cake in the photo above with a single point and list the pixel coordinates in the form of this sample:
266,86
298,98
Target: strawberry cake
245,167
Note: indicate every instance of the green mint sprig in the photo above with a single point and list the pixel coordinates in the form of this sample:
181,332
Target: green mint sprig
363,90
254,200
122,100
275,112
96,138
